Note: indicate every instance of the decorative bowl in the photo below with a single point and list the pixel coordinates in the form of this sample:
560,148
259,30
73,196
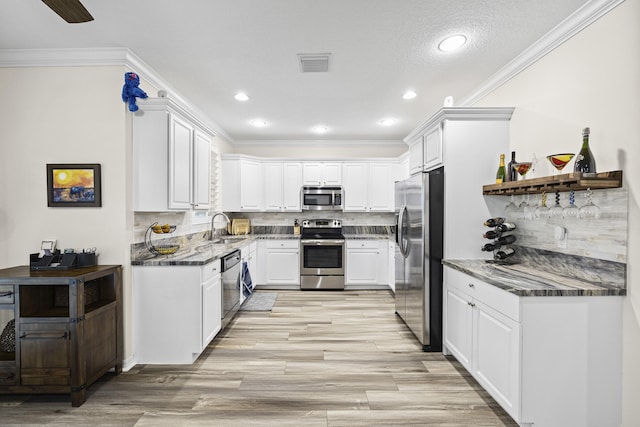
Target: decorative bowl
166,249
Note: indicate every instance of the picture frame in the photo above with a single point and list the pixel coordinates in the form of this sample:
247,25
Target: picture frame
74,185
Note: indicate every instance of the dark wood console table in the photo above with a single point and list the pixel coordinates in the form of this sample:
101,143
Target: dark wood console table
68,329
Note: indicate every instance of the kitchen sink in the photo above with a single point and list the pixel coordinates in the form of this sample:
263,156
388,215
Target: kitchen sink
228,239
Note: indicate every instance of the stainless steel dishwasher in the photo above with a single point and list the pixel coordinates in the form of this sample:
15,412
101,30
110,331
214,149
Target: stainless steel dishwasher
231,269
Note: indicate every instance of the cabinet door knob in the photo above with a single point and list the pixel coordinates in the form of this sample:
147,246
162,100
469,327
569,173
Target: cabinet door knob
471,304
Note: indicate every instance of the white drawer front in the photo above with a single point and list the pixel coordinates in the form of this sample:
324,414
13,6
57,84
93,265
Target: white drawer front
496,298
282,244
210,270
362,244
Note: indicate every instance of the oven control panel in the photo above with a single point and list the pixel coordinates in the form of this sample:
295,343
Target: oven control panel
321,223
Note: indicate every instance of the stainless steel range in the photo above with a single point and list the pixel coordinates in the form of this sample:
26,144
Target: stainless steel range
322,254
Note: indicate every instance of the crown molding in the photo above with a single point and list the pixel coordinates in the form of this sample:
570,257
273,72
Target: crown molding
459,113
324,142
576,22
101,57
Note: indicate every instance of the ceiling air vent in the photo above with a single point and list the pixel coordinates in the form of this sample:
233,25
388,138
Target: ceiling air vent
314,62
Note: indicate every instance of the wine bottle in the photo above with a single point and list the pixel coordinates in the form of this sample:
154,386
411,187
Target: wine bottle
488,247
505,240
492,222
501,174
505,226
504,253
585,162
491,234
512,173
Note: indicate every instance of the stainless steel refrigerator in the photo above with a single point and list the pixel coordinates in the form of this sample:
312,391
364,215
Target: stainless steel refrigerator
419,204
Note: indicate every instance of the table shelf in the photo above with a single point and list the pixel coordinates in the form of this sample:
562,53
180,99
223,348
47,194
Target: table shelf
576,181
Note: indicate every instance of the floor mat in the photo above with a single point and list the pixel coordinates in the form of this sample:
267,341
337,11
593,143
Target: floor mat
260,301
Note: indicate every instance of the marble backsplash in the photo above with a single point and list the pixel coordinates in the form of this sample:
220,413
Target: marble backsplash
577,267
604,238
347,218
266,222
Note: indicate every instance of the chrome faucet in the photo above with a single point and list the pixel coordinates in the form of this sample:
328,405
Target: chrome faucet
213,218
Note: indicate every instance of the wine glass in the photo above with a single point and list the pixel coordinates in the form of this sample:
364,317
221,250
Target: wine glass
590,210
528,210
571,211
511,207
556,210
542,211
522,168
559,161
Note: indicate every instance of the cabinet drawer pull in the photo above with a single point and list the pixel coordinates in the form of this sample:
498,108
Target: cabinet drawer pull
6,294
471,285
471,304
44,335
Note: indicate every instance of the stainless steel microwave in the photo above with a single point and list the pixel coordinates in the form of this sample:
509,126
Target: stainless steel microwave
322,198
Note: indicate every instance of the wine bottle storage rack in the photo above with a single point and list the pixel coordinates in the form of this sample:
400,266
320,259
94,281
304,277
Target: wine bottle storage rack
569,181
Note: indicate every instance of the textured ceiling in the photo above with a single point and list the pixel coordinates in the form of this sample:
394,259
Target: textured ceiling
210,49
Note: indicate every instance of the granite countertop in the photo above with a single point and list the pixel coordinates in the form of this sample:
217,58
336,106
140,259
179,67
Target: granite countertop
348,236
204,252
529,280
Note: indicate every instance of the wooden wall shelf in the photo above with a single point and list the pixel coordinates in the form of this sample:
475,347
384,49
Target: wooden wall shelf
565,182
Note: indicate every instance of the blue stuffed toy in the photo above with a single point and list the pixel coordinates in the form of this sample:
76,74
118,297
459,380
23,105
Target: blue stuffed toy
131,91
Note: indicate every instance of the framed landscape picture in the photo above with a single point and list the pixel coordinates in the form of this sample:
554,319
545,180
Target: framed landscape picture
74,185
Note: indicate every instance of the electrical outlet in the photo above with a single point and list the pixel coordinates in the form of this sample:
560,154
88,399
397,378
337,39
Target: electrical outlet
560,235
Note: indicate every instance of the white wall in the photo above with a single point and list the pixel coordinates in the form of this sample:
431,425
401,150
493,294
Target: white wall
591,80
322,149
61,115
64,115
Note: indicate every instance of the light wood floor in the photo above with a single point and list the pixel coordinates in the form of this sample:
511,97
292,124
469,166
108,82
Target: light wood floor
318,359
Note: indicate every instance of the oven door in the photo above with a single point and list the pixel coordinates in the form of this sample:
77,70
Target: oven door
322,257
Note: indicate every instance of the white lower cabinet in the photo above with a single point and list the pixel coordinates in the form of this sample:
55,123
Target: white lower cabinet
278,262
367,262
177,311
548,361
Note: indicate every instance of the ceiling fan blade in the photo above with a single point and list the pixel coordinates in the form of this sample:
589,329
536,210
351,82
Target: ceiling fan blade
71,11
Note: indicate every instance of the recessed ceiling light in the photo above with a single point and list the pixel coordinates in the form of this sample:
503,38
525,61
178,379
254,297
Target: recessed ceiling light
241,96
320,129
452,43
409,94
259,123
388,122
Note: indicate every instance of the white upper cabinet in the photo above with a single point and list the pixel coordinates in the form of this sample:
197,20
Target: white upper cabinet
202,171
291,186
282,182
253,184
171,159
273,186
242,184
322,173
432,149
416,157
368,187
356,186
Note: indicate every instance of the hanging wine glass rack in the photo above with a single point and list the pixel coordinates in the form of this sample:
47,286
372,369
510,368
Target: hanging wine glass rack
569,181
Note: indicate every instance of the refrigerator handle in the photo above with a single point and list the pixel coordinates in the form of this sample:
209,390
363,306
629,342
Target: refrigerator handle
400,229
